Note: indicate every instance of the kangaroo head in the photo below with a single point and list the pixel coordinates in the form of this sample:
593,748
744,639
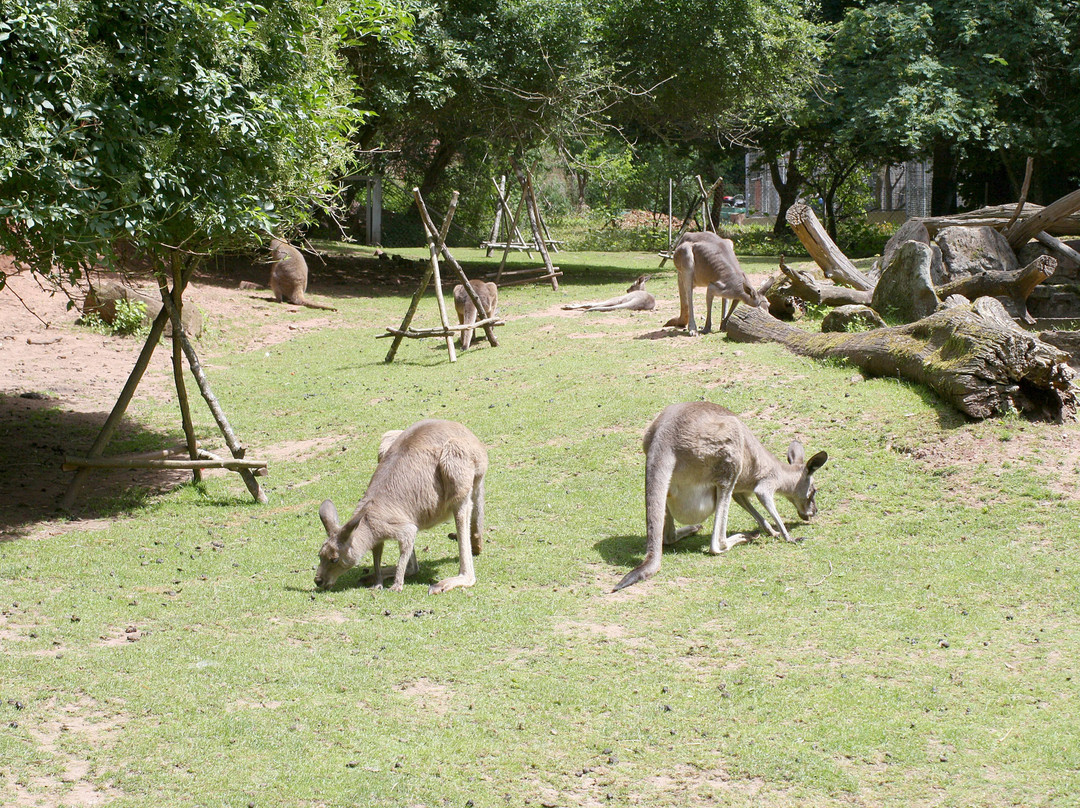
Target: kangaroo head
339,552
802,497
639,284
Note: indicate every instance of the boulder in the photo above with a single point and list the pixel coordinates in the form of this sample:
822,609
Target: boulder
102,296
1068,270
852,318
969,251
905,289
911,230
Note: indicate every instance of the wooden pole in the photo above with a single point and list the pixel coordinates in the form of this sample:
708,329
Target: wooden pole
231,440
178,365
119,408
1028,171
434,239
534,220
72,463
484,314
506,251
496,229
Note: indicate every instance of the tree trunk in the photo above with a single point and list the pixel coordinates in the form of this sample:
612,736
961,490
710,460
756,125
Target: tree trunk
1015,285
997,216
972,356
1022,231
788,192
823,249
805,287
444,153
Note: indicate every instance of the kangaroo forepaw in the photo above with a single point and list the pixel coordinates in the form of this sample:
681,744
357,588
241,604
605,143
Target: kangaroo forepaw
726,544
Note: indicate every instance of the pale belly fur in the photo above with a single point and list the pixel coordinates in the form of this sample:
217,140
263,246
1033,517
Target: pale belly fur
691,503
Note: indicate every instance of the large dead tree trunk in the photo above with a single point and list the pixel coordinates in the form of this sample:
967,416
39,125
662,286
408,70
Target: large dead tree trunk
1024,230
823,249
972,356
805,287
1014,285
998,216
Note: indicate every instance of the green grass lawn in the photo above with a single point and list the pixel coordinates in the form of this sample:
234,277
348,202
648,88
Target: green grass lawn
919,646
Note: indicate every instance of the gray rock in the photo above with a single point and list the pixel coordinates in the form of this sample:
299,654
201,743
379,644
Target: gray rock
911,230
852,318
905,289
102,296
970,251
1067,270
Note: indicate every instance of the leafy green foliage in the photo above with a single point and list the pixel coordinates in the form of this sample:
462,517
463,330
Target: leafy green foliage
164,124
129,319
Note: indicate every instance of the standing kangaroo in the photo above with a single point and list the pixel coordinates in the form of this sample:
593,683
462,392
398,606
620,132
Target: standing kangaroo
635,299
289,275
427,473
466,309
705,259
698,457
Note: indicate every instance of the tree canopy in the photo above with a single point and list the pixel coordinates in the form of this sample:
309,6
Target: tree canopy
167,124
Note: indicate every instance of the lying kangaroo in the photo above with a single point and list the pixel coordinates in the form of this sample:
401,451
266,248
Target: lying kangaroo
705,259
635,299
466,309
698,457
426,473
289,275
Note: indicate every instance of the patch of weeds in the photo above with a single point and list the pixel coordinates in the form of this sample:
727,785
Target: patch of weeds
838,362
858,325
129,320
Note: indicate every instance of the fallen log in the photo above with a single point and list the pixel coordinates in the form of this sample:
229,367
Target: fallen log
804,286
973,356
1024,230
836,266
1016,286
998,216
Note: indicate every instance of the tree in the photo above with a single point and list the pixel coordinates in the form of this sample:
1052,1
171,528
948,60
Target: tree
487,76
166,127
962,80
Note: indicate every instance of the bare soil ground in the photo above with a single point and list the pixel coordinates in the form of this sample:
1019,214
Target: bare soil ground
59,380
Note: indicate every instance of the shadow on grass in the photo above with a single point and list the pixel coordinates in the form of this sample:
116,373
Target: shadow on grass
358,577
344,275
35,435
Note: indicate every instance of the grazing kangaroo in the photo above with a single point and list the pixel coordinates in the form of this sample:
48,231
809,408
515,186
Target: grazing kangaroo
698,457
635,299
427,473
289,275
705,259
466,309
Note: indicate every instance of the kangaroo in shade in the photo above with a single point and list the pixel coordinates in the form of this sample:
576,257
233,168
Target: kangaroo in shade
289,275
427,473
466,309
698,458
635,299
705,259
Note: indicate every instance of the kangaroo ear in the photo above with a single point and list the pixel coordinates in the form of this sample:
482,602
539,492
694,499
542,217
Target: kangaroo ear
329,517
816,462
795,453
388,441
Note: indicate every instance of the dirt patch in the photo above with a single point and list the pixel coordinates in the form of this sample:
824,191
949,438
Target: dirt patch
60,728
1054,452
430,696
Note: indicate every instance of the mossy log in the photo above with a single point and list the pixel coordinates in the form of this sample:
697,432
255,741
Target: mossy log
972,356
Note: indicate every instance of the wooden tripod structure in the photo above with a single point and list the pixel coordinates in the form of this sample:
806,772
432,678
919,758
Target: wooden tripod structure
702,200
507,221
198,458
436,239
